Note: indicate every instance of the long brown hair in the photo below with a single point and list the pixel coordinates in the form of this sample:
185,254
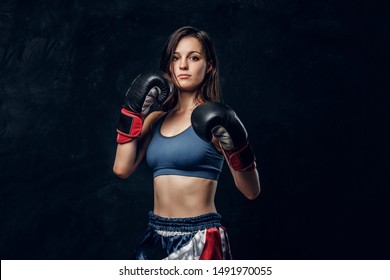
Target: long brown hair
210,89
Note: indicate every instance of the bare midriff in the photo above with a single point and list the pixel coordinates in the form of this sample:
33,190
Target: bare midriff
182,196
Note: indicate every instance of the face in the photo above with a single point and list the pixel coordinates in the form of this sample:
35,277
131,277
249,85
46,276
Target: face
189,65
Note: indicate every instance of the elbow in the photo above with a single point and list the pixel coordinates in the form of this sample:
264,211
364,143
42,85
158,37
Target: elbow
253,192
253,195
122,173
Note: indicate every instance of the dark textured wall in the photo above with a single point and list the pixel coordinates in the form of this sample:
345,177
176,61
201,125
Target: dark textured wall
307,78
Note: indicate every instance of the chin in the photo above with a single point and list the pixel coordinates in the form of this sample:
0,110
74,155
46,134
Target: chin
189,88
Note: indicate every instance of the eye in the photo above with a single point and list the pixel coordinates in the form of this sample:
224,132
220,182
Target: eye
194,58
175,58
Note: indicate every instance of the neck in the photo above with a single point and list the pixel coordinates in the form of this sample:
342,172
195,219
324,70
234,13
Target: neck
186,101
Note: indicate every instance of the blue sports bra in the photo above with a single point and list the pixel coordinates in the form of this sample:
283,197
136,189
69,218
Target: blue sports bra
184,154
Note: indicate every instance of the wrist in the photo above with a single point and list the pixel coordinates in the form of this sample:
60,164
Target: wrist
241,158
129,126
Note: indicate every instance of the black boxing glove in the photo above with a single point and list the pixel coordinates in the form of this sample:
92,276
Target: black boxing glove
216,119
143,92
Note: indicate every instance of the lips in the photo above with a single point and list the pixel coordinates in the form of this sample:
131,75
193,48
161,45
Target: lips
183,76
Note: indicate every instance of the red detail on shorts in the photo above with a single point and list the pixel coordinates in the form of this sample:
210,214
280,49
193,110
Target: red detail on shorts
228,254
213,246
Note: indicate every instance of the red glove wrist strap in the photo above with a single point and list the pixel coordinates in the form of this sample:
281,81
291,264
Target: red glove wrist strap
241,158
129,126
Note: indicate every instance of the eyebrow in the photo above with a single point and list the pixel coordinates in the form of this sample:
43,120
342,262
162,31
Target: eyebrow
191,52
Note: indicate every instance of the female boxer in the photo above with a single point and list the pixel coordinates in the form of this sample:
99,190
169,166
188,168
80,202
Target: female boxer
185,144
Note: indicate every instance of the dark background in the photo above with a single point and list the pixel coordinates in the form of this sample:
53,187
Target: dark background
309,79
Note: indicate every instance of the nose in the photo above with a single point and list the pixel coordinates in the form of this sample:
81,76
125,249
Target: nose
183,64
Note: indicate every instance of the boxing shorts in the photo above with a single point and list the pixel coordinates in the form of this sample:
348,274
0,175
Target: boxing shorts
194,238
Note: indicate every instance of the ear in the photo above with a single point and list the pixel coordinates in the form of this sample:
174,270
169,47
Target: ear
209,67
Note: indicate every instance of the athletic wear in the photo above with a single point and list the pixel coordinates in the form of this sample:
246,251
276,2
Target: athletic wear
195,238
183,154
191,238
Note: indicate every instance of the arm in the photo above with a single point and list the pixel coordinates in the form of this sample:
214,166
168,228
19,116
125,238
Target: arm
125,159
133,132
130,155
247,182
216,120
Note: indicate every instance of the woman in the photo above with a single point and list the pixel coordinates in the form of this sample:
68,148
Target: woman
185,145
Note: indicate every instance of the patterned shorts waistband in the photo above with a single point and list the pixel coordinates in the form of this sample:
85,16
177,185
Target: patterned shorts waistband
189,224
